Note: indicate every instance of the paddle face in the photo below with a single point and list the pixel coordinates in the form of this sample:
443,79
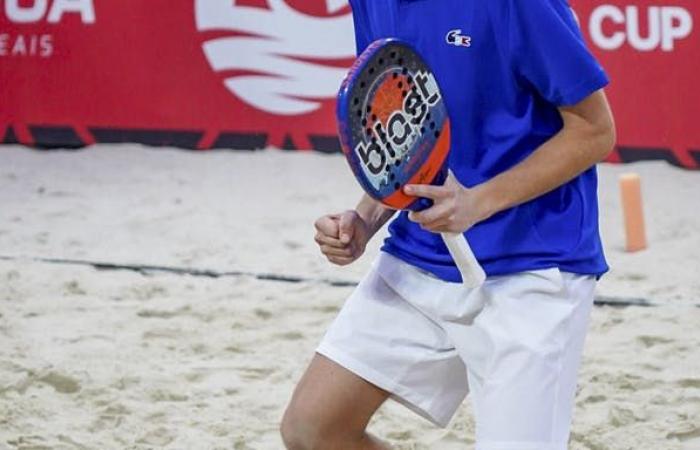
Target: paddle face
393,123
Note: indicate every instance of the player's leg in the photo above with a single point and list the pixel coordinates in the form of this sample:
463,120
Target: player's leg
330,408
379,345
522,375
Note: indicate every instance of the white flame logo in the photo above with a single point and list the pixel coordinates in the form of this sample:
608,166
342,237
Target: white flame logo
275,46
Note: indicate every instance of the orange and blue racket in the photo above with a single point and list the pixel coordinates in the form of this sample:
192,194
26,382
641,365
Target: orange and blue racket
394,131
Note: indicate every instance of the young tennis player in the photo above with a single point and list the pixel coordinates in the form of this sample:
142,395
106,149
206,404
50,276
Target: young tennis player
529,122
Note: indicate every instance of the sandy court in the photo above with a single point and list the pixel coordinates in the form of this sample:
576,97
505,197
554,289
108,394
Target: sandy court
103,359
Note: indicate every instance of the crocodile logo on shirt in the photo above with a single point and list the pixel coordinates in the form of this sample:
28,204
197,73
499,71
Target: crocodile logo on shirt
456,38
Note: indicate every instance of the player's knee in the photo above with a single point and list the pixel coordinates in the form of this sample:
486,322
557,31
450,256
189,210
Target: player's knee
301,430
298,430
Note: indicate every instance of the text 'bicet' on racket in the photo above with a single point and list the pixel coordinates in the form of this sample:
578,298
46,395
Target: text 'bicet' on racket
394,130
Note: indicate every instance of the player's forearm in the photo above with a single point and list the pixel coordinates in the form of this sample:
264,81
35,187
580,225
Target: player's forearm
557,161
373,213
586,139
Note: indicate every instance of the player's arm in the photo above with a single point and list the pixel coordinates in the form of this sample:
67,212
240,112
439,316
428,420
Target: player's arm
343,237
587,137
373,213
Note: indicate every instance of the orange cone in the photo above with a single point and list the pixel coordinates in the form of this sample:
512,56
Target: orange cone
635,234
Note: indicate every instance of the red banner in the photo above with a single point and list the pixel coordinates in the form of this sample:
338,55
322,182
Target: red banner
248,74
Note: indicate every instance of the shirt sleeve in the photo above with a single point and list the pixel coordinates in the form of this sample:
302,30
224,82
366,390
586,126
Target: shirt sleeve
362,31
548,52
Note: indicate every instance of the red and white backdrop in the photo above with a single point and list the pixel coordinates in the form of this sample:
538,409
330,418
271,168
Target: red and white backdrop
247,74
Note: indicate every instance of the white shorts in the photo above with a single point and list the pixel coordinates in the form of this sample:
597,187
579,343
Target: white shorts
404,331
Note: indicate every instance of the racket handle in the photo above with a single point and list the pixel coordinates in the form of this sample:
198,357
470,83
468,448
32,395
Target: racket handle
472,273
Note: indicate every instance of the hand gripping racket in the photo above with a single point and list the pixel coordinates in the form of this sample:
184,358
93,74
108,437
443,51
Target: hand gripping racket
394,131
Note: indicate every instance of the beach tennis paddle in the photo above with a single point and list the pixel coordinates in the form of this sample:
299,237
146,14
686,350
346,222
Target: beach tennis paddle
394,130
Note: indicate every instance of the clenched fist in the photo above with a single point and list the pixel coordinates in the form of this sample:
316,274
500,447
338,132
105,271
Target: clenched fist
342,237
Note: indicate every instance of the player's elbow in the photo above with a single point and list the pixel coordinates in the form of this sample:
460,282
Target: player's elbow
591,121
597,128
604,136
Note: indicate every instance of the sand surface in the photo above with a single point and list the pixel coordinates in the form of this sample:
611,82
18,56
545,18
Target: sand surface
103,359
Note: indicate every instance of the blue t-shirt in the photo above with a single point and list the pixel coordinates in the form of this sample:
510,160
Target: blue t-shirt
504,67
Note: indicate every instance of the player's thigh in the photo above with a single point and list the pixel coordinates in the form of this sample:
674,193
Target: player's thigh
332,399
523,372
